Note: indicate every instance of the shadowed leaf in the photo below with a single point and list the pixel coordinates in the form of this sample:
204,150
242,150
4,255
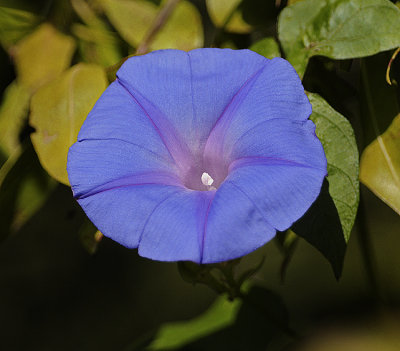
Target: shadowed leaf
337,138
321,227
23,190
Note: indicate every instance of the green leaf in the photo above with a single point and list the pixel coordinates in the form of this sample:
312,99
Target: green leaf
15,24
42,56
337,138
267,47
249,324
225,14
338,29
13,112
133,19
380,166
220,315
58,110
23,190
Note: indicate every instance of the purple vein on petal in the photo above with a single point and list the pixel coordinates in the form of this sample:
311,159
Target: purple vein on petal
258,125
177,149
127,142
205,227
144,179
152,212
227,114
267,161
194,116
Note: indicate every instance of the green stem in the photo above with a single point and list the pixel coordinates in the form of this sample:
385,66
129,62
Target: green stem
156,26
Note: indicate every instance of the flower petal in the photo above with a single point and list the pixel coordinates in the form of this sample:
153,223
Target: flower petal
276,139
98,165
234,226
121,213
217,75
117,116
174,230
279,139
273,92
282,190
185,93
148,134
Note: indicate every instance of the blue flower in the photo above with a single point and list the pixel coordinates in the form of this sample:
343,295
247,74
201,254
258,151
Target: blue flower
198,156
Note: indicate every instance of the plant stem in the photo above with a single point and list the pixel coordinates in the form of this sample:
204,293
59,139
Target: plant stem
158,23
220,30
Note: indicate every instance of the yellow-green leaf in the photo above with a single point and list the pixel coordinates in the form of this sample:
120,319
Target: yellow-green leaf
58,110
267,47
380,166
13,111
15,24
97,45
42,56
133,18
182,31
225,13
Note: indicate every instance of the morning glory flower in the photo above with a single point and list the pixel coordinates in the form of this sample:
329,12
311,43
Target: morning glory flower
198,155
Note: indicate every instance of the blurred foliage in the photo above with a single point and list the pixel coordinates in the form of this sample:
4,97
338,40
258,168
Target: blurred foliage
58,110
42,56
226,14
182,30
380,166
59,276
267,47
15,24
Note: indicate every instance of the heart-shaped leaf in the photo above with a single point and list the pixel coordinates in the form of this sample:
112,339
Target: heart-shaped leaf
338,29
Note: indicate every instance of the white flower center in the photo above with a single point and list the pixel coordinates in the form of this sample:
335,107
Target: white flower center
206,179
